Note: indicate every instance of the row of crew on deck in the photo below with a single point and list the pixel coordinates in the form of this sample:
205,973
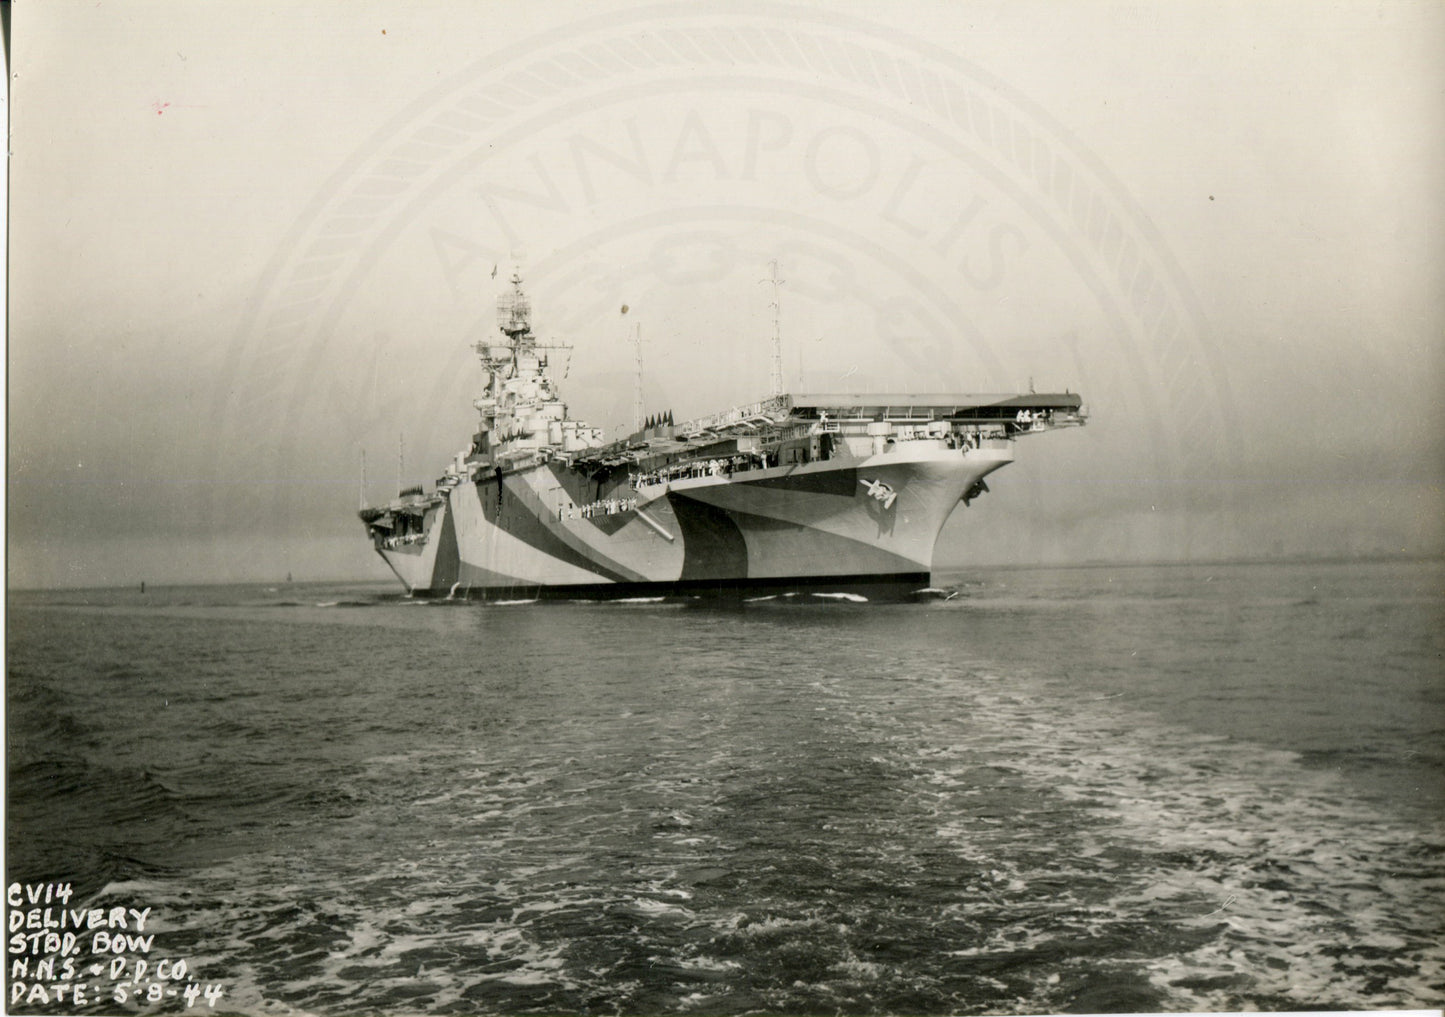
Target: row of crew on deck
975,438
601,507
403,540
728,465
722,467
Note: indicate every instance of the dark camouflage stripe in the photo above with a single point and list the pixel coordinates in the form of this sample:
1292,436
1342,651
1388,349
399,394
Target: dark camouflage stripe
523,516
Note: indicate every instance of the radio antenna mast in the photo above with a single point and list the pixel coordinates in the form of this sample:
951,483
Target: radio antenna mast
637,394
363,479
777,304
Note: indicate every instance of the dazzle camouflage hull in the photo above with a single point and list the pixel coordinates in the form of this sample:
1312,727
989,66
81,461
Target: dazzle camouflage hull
825,495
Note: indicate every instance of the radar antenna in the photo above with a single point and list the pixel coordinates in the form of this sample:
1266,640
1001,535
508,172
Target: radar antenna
514,312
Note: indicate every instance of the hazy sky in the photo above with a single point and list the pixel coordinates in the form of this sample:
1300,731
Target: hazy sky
249,242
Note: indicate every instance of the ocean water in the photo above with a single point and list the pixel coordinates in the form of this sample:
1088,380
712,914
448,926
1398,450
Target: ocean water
1093,789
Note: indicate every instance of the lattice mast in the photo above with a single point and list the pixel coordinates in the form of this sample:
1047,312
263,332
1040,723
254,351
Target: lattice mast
514,313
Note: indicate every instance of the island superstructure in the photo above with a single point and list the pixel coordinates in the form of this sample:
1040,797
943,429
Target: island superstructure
796,494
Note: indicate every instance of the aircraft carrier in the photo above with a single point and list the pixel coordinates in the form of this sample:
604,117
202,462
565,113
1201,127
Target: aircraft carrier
809,496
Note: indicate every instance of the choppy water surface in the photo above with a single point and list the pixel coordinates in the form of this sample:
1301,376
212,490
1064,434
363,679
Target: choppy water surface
1187,788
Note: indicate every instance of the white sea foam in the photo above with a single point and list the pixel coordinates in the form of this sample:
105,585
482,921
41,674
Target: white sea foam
736,811
1216,844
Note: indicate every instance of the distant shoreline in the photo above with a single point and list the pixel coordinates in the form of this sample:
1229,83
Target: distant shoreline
1284,559
1366,559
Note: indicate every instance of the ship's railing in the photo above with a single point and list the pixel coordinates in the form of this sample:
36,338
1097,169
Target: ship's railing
405,540
693,469
602,507
1034,421
770,410
1060,408
751,419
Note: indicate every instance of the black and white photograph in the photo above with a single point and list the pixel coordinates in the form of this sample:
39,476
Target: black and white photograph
724,508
